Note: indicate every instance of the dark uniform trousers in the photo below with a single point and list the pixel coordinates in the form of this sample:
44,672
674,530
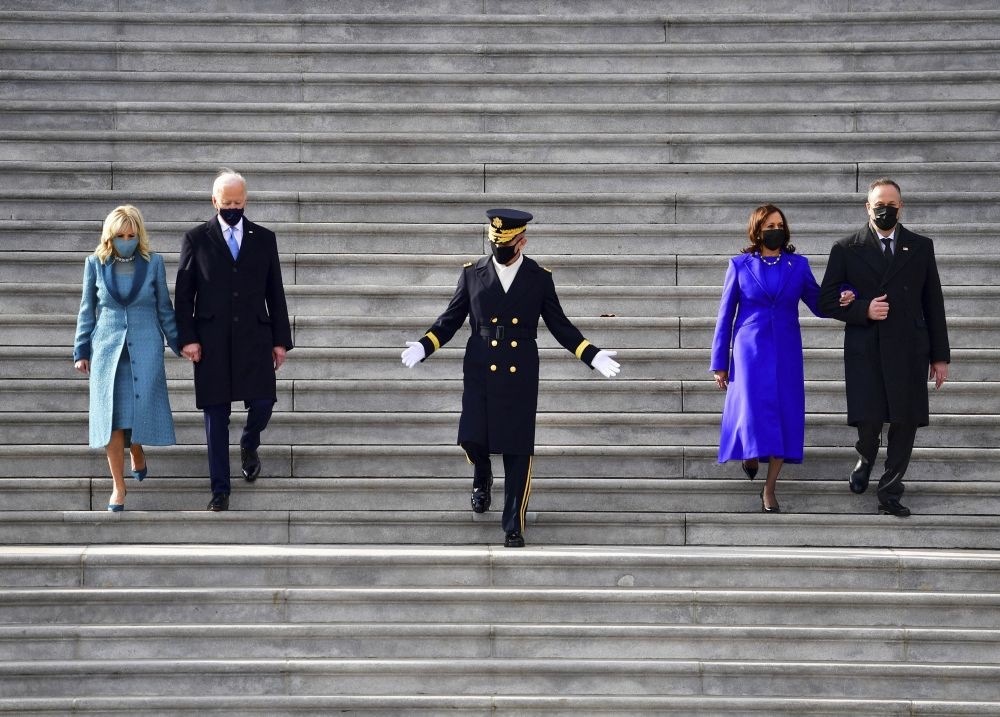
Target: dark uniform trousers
516,482
898,451
217,436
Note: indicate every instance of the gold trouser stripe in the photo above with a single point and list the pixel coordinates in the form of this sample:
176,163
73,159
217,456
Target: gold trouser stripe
579,349
467,457
434,340
527,492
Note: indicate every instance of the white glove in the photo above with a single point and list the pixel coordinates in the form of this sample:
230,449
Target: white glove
414,354
603,362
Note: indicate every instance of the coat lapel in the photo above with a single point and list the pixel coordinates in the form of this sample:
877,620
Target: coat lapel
107,271
215,231
866,247
756,269
110,281
487,274
904,250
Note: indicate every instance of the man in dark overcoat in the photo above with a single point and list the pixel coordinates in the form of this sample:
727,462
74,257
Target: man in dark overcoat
895,337
504,295
232,322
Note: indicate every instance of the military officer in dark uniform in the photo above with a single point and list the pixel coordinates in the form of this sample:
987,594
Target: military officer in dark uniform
504,295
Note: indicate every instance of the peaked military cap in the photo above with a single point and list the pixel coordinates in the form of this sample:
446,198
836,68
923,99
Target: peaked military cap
505,224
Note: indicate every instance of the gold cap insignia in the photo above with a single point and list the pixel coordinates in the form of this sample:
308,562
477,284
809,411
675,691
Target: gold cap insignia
497,222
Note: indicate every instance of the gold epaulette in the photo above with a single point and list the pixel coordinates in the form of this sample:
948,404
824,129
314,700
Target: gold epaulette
547,269
466,265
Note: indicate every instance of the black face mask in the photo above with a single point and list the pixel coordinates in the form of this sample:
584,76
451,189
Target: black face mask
231,216
504,253
773,238
885,217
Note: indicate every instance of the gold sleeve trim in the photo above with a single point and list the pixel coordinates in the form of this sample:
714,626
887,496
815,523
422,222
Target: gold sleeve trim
434,340
580,349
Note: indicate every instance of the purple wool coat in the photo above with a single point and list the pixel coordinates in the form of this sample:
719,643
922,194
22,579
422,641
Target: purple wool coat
758,340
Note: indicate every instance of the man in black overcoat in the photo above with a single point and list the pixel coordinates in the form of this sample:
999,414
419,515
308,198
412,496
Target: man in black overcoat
895,337
232,322
504,295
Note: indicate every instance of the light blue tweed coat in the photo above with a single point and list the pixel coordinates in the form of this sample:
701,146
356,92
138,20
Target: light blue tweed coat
106,322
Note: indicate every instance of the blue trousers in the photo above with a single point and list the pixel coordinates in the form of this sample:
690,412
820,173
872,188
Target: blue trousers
217,436
516,481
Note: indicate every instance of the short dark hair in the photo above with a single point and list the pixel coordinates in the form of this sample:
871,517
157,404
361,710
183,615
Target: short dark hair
884,182
757,217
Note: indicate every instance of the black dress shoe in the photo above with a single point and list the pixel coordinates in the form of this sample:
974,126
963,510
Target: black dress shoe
860,475
481,499
219,502
251,464
892,506
751,471
514,539
763,506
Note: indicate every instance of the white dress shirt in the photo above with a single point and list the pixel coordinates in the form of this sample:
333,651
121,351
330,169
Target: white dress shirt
891,238
507,273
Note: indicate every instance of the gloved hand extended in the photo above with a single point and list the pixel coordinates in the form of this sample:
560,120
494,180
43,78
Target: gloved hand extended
604,363
415,353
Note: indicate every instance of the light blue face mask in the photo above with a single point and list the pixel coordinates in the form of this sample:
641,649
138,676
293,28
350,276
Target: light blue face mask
125,247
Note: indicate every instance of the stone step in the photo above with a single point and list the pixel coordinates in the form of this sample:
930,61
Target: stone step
549,495
410,641
461,527
658,461
421,147
369,364
502,705
499,88
442,269
595,301
826,56
469,239
962,208
461,115
556,428
28,396
824,607
533,26
761,678
175,570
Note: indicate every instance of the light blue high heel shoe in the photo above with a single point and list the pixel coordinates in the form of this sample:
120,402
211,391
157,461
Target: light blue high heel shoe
116,507
140,474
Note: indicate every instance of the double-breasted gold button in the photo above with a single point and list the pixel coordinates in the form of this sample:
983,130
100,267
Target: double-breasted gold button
493,320
513,344
493,367
493,342
514,320
513,369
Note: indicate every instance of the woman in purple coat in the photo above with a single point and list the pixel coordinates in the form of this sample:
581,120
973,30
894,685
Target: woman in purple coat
764,414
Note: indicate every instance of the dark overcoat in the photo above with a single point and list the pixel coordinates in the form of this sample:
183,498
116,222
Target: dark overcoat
235,309
886,363
500,370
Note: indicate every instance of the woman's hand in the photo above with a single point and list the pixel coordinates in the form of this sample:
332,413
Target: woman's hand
847,297
721,379
83,366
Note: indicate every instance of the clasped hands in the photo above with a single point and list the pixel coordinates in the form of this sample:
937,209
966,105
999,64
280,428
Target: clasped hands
192,352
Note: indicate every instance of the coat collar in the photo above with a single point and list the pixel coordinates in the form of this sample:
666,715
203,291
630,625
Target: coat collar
215,231
868,248
107,269
487,274
904,250
757,268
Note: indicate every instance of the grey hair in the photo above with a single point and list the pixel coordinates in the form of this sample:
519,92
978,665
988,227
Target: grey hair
225,177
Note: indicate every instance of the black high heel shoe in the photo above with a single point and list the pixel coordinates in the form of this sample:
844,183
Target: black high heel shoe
763,506
751,472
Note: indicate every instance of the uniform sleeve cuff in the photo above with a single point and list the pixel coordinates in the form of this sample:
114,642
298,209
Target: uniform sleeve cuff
430,343
81,353
586,352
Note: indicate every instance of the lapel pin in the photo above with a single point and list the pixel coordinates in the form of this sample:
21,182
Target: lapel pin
906,248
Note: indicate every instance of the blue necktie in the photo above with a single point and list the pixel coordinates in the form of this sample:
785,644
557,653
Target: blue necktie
234,248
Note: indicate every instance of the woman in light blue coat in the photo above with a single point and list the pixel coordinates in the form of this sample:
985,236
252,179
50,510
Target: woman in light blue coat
125,315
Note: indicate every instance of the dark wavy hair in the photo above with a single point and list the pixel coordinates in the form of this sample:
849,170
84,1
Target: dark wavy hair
757,217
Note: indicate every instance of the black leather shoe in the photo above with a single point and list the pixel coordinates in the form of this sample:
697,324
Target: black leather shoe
751,471
481,499
763,506
251,464
514,539
892,506
219,502
860,475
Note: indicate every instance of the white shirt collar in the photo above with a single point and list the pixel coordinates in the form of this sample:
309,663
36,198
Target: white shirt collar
506,274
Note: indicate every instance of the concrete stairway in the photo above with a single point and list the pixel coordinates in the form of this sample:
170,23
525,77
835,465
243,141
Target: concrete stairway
352,577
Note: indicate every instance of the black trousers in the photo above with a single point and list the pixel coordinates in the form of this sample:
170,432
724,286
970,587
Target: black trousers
217,436
516,482
898,451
